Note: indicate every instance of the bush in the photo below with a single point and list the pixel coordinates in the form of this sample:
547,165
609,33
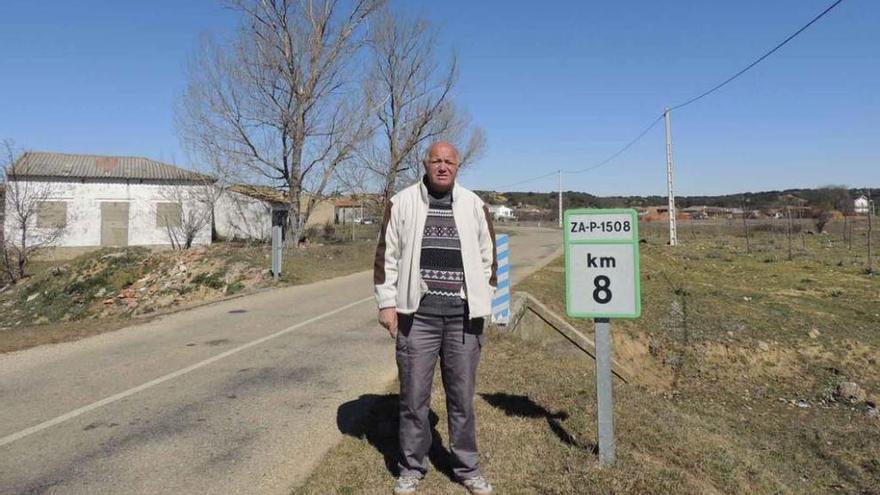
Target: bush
212,280
329,231
779,228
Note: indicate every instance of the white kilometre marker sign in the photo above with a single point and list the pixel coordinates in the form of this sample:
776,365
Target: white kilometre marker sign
602,282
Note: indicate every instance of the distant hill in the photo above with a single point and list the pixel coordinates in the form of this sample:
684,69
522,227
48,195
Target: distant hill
827,198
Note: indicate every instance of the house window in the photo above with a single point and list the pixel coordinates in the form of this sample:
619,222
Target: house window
168,215
51,214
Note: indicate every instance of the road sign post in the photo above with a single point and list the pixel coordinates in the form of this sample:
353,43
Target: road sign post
277,247
501,299
602,282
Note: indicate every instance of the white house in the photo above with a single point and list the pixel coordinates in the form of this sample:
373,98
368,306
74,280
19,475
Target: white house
861,205
249,212
501,212
90,200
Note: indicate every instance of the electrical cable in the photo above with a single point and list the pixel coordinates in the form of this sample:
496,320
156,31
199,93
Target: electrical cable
687,102
759,60
598,164
529,180
619,152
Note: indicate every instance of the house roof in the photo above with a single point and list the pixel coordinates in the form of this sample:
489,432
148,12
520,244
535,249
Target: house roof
45,164
263,193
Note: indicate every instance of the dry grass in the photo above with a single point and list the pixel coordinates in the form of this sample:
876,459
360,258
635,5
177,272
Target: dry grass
722,353
66,301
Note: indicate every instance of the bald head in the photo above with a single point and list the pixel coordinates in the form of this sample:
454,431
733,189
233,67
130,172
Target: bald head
441,165
439,147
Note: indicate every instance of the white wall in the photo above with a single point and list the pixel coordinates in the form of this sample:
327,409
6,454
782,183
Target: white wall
84,210
238,216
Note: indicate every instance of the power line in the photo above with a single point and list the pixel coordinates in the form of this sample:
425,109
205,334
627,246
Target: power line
598,164
619,152
528,180
759,60
686,103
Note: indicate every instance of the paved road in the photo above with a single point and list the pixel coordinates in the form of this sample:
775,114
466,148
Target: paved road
235,397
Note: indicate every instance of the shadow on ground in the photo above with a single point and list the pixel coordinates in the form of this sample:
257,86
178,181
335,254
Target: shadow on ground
375,419
524,407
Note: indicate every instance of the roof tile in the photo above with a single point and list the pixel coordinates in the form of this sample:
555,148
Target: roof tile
43,164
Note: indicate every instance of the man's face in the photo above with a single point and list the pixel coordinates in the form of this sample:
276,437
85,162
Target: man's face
441,166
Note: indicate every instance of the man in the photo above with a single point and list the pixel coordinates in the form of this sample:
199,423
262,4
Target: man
434,278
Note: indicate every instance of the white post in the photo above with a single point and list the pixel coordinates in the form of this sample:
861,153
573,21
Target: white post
560,198
673,230
604,400
870,234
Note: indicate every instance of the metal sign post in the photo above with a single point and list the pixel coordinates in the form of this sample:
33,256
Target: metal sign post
602,282
277,246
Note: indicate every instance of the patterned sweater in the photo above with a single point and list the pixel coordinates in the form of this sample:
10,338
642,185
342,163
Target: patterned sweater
441,264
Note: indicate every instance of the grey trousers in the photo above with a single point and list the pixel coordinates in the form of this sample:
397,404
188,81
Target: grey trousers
457,341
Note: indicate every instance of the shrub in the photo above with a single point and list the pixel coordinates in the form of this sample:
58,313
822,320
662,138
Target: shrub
212,280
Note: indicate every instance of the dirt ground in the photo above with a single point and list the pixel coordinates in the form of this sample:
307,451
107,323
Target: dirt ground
103,290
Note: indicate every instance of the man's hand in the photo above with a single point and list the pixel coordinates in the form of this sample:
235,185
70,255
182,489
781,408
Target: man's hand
388,319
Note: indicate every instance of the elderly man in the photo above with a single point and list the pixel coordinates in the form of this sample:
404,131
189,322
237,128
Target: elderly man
434,278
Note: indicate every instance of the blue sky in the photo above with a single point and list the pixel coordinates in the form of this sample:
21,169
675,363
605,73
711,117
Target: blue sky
555,84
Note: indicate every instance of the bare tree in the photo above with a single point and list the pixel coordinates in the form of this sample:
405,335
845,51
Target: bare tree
279,101
31,220
410,97
186,211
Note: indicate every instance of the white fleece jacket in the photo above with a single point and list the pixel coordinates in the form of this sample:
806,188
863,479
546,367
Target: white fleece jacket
396,275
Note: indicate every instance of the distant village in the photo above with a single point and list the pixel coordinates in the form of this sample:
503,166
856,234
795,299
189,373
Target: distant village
835,205
94,200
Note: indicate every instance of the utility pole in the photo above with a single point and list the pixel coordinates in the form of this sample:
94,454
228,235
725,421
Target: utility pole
742,203
673,230
788,214
870,234
560,198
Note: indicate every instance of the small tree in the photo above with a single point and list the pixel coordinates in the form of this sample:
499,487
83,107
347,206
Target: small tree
31,220
822,220
186,211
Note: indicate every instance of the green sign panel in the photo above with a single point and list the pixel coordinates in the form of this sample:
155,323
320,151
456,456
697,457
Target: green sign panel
602,263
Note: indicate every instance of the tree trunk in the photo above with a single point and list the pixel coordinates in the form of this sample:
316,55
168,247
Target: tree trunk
22,252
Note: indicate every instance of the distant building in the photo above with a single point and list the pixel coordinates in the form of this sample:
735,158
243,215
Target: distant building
248,212
92,200
502,213
861,205
661,214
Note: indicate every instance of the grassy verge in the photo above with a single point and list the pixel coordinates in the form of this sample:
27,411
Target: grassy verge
101,291
738,357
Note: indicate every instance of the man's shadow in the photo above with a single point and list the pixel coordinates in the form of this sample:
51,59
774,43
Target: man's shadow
524,407
376,419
